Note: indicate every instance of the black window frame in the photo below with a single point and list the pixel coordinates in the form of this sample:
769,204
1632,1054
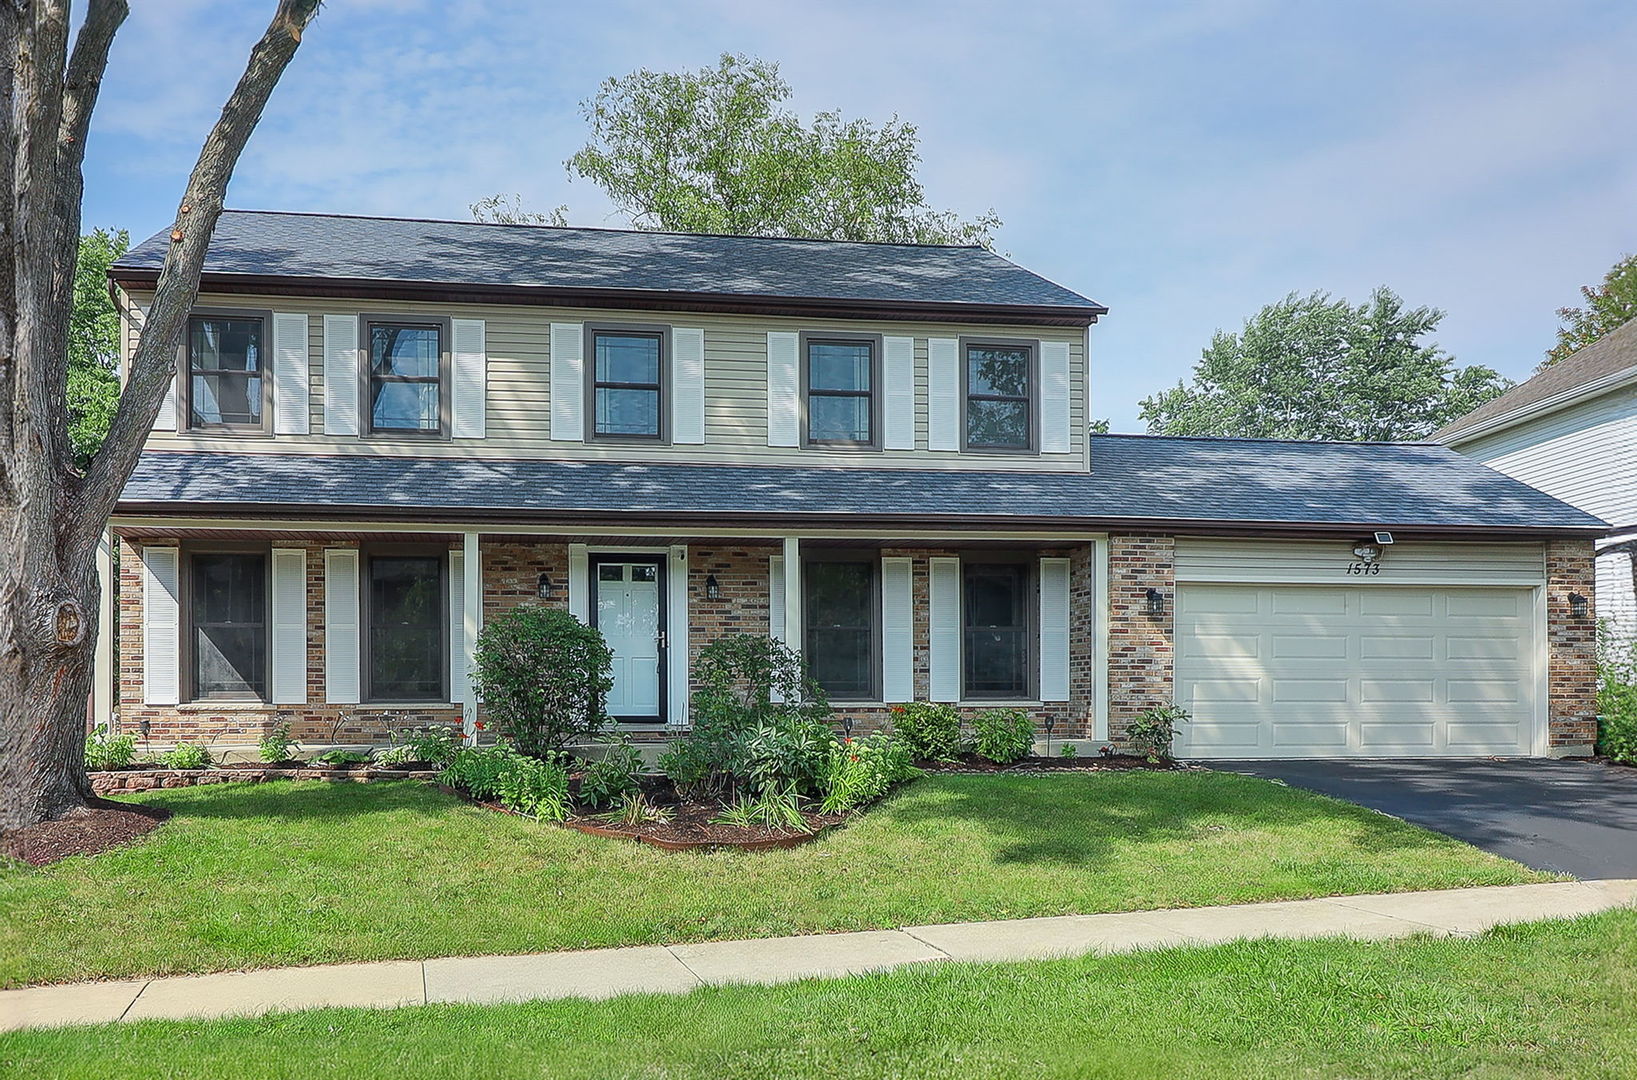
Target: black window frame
366,622
661,333
185,370
187,658
876,397
1030,568
367,376
811,557
1032,400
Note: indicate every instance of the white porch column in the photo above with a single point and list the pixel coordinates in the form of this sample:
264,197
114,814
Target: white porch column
104,674
1099,640
472,595
792,593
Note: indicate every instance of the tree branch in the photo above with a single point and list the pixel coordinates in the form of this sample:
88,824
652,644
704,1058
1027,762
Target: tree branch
154,363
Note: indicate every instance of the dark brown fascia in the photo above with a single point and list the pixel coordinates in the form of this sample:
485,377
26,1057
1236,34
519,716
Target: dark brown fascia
623,299
483,520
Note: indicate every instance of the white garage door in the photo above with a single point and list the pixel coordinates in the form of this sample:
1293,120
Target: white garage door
1360,671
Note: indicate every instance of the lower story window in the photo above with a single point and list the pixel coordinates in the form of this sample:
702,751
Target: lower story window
407,602
995,630
228,620
840,626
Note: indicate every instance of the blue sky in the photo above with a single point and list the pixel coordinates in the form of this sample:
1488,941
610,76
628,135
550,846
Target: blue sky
1183,164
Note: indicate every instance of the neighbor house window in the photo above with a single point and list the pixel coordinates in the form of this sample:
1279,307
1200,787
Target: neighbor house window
227,625
627,384
999,397
406,376
226,385
840,627
840,377
406,601
996,632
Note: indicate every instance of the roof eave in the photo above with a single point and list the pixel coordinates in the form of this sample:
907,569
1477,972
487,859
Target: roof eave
1534,409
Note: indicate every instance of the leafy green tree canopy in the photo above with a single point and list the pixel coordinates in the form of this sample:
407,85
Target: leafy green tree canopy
1309,367
93,343
715,151
1610,304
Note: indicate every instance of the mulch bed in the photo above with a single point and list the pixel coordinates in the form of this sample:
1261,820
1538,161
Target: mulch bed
971,763
102,826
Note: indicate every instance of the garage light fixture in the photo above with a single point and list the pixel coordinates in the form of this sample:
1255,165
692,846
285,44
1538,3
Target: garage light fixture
1156,602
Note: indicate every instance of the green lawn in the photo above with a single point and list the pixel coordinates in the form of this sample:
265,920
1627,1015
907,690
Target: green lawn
303,873
1541,1000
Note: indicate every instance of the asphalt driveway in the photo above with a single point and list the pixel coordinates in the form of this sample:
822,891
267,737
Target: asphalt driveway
1573,817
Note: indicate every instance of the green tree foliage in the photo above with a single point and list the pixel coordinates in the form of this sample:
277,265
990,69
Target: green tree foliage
93,342
715,151
1309,367
542,675
1608,305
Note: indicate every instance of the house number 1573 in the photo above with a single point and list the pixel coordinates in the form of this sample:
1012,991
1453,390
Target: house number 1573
1364,569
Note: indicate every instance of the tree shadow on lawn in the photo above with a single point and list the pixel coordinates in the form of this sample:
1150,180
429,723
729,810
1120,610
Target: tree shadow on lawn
1077,820
301,800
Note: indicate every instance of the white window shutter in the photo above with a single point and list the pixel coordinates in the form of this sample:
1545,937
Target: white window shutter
775,606
783,390
341,630
161,626
167,418
579,582
341,375
1055,436
897,631
1054,629
898,375
568,382
943,394
687,385
677,636
944,604
287,684
459,677
469,378
291,374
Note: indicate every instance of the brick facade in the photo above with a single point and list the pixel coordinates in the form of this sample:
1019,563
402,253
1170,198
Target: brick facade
1571,648
1141,647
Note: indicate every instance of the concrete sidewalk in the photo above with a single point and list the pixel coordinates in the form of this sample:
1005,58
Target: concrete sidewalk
677,969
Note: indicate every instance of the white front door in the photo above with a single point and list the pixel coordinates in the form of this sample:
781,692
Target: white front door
628,614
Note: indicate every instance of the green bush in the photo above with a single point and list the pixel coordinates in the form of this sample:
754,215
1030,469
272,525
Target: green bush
186,756
525,784
476,769
933,730
106,751
276,745
859,771
1616,697
786,753
1153,732
435,746
542,676
611,777
1004,735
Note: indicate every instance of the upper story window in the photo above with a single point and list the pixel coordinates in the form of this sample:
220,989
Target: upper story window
227,387
406,601
840,377
408,376
1000,396
628,384
227,620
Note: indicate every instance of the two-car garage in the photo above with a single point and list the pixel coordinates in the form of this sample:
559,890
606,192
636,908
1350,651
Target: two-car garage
1293,649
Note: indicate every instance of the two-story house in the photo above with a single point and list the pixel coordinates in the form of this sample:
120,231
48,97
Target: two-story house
1572,432
385,432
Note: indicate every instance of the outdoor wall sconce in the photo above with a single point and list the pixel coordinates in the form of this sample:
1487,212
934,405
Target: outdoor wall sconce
1156,602
543,587
713,588
1579,606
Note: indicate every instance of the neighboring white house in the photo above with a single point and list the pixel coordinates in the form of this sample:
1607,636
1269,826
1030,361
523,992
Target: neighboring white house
1571,431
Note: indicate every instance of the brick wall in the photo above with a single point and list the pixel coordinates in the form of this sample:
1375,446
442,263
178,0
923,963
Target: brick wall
1571,648
1140,646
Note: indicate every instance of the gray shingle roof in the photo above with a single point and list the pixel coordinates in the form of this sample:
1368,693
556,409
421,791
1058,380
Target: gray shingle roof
466,253
1135,479
1612,354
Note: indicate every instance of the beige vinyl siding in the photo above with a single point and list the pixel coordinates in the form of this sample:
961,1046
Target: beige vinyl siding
518,390
1325,562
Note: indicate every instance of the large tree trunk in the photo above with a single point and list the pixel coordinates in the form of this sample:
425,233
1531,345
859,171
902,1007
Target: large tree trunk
52,517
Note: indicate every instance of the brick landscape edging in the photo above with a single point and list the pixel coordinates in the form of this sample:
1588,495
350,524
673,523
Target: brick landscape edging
153,779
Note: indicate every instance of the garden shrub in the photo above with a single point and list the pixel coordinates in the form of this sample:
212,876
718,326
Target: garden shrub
932,729
1616,697
435,746
106,751
476,769
186,756
276,745
1153,732
785,753
1004,735
525,784
542,676
859,771
611,777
